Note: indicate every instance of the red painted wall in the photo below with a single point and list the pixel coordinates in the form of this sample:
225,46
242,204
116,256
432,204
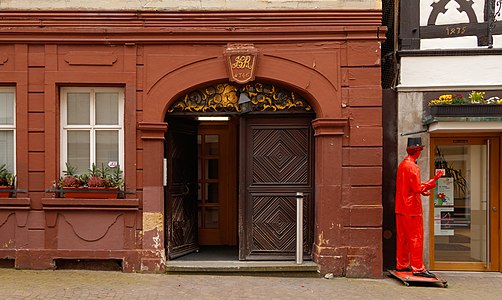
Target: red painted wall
334,62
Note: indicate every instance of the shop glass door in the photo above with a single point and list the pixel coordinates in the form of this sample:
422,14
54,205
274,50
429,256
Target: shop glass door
464,205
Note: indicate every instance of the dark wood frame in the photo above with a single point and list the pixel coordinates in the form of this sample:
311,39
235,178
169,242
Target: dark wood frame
409,24
411,32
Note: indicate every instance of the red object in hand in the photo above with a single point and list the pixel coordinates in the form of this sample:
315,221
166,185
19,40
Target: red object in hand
431,183
439,174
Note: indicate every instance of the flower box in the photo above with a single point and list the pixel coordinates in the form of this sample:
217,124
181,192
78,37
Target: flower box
466,110
6,191
97,183
91,193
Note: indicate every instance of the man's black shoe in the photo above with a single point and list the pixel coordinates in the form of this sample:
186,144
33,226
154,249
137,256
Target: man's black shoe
404,270
425,273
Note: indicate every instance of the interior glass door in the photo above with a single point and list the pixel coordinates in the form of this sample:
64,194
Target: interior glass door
463,205
217,184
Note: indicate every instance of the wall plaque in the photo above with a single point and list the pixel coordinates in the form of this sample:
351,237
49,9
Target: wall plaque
240,60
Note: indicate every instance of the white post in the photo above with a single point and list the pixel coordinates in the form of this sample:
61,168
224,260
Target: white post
299,228
164,173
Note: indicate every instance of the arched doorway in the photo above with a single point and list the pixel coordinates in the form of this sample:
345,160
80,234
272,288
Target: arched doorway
232,178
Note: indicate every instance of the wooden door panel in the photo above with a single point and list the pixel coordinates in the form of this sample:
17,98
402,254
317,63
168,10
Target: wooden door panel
277,165
280,156
274,224
184,232
181,198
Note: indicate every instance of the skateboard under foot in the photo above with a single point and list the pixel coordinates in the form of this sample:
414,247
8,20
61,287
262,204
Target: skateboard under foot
407,277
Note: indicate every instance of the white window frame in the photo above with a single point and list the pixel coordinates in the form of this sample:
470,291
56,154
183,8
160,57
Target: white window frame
92,127
11,127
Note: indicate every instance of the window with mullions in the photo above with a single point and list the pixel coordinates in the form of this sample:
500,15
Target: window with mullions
92,126
7,128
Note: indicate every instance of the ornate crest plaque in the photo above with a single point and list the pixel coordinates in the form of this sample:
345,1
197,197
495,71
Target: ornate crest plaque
241,61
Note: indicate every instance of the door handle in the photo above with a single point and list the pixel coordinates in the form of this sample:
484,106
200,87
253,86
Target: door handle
494,209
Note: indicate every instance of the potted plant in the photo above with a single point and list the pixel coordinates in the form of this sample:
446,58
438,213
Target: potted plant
7,182
475,105
99,182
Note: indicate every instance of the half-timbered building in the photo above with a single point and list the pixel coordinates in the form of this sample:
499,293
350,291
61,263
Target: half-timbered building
450,52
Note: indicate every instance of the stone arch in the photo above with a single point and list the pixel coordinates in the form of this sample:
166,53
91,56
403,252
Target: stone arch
313,85
322,92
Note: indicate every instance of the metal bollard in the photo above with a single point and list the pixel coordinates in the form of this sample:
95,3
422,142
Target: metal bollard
299,228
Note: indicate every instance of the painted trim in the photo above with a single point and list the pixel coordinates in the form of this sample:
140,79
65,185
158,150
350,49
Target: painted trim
449,52
443,88
208,6
438,127
11,127
440,71
129,27
92,127
152,130
329,126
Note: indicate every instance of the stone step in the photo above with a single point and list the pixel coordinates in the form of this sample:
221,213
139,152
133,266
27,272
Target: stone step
240,266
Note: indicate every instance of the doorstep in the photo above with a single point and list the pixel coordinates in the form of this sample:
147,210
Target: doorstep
240,266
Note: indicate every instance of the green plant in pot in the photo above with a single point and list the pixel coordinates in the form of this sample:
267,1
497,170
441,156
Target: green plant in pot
70,178
477,97
105,177
98,182
7,181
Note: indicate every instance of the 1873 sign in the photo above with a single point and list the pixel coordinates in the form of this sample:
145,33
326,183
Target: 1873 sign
241,61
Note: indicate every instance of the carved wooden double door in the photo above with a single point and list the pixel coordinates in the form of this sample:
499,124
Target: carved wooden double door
238,181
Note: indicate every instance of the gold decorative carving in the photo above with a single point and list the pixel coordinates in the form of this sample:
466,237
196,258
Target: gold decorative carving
225,97
221,97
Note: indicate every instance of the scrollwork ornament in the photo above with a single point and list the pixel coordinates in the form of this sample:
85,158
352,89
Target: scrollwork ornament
225,98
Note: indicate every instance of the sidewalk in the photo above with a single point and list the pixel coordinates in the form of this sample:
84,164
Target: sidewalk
71,284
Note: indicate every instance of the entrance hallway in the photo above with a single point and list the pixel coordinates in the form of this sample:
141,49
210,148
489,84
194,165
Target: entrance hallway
212,253
25,284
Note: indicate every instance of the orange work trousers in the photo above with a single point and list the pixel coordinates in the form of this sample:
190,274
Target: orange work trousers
410,240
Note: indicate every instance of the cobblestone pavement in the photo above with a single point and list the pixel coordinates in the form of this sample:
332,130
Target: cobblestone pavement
72,284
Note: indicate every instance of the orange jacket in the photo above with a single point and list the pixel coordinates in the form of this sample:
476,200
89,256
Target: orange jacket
408,188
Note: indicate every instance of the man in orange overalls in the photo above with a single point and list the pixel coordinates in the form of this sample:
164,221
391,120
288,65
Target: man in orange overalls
409,221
